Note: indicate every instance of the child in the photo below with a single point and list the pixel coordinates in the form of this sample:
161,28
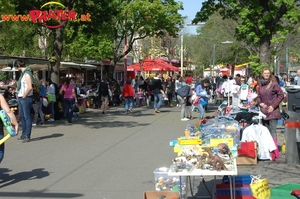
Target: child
140,95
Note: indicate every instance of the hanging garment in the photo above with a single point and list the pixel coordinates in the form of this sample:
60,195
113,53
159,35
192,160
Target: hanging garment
260,134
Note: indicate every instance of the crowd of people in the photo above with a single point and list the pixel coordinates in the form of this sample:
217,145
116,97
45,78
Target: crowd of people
187,92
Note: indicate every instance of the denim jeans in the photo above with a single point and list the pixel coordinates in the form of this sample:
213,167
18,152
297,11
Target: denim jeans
148,100
182,103
37,107
201,110
68,103
271,125
128,103
157,101
25,105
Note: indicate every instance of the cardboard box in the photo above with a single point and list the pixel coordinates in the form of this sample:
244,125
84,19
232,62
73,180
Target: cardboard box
245,160
161,195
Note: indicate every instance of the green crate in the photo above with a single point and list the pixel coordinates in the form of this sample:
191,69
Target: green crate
284,191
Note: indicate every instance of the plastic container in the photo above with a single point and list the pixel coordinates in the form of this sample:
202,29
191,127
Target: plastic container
284,191
163,182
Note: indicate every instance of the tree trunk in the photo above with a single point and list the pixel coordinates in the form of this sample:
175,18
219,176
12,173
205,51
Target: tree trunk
264,50
57,52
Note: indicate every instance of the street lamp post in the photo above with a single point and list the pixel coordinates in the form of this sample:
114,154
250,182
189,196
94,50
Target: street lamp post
213,60
228,100
181,56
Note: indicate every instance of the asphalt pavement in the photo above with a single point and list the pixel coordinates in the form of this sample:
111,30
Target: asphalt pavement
106,156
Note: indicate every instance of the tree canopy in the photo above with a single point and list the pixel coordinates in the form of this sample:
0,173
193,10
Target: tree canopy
260,22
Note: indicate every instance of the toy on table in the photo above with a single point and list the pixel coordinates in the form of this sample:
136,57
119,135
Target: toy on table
215,160
8,126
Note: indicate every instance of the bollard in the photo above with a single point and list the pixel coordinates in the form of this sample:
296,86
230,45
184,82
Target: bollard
292,138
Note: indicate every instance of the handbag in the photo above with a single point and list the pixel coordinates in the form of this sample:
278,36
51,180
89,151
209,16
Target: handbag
183,91
203,101
75,108
247,149
196,101
51,97
260,188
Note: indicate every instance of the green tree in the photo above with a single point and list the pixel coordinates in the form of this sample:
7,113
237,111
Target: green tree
111,22
138,19
260,22
100,12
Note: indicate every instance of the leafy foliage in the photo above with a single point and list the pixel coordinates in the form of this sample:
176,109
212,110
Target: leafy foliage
260,22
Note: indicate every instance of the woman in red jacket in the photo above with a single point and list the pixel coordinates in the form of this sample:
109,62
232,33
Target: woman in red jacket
128,94
269,97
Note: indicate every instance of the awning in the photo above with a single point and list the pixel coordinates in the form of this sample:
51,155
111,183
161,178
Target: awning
77,65
242,65
4,59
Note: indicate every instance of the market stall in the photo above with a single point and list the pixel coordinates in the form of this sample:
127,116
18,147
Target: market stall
207,148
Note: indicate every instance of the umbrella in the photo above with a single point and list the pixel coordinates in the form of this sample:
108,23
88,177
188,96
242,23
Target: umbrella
134,67
152,65
157,65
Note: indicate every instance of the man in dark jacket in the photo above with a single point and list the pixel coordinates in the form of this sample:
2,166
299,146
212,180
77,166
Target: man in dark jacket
158,92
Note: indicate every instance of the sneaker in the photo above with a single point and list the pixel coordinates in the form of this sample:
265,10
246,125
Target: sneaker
51,120
21,138
185,119
33,124
41,123
26,139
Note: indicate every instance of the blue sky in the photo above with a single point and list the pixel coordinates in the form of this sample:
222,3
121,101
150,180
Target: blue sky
191,7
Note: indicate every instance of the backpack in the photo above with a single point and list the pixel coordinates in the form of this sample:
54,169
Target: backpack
36,93
183,91
103,88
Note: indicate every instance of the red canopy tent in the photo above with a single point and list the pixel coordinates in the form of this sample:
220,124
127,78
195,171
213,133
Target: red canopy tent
152,65
134,67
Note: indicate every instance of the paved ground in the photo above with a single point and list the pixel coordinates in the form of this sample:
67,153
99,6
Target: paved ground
107,156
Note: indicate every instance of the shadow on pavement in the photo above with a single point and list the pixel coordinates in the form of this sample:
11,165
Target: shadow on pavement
203,190
54,135
38,194
112,124
6,179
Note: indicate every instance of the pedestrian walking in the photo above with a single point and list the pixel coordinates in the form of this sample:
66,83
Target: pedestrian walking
69,98
158,92
38,106
128,94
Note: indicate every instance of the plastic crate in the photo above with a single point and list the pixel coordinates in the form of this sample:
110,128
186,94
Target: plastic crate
284,191
163,182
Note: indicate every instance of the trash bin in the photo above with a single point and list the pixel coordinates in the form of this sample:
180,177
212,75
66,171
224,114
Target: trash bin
292,138
293,98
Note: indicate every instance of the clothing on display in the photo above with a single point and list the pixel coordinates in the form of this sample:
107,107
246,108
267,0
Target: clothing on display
260,134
